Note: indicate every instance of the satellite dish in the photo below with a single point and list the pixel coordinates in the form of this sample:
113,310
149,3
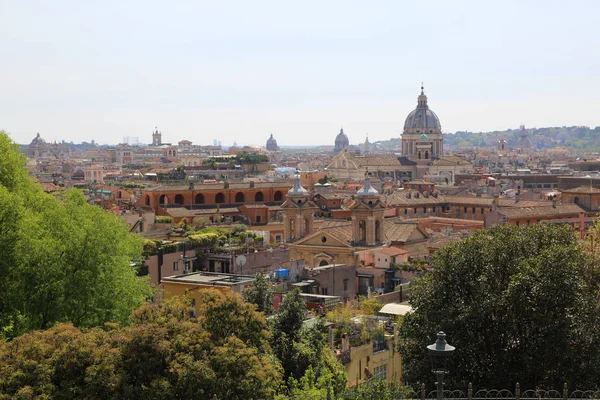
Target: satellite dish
240,260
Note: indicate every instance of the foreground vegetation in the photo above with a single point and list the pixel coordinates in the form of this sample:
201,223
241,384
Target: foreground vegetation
61,259
520,305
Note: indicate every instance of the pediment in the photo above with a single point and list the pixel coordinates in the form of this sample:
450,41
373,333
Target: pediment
290,204
359,205
316,239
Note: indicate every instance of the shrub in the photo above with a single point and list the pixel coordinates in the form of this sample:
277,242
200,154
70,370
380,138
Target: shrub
163,219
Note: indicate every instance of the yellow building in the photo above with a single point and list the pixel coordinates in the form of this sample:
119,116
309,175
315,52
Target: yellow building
191,284
375,359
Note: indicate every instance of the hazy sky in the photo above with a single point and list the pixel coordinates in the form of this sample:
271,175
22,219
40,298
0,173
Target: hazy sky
238,70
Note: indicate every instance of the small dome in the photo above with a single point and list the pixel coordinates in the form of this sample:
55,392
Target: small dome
367,190
424,137
37,139
297,189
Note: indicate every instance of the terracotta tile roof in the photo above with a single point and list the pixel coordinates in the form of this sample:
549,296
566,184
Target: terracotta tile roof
392,251
382,161
583,190
397,231
541,212
339,229
400,198
394,229
49,187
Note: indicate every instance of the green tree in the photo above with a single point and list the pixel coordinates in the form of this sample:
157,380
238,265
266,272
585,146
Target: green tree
291,315
62,259
260,294
163,354
303,351
517,306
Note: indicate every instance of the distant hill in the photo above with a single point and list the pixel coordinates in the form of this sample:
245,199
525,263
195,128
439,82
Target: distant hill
574,137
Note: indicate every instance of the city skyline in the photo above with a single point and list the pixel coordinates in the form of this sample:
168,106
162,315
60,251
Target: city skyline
239,72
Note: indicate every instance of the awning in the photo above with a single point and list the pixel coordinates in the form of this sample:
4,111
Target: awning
395,309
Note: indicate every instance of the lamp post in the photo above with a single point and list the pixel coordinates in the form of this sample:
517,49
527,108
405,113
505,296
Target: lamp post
439,353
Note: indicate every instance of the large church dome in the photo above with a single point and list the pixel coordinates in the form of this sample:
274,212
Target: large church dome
422,119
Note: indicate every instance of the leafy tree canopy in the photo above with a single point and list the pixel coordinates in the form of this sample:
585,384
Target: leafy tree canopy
517,306
260,293
163,354
61,260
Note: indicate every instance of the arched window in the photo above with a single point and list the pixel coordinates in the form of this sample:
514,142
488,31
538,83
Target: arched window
163,200
419,155
362,231
147,200
426,154
277,196
179,199
220,198
199,199
377,231
323,263
259,196
292,225
239,197
306,226
119,195
576,200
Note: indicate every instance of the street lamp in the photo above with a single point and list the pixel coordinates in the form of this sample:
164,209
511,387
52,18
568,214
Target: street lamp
439,353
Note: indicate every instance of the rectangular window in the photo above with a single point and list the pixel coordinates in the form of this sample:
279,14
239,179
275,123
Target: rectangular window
258,219
415,210
473,210
433,209
324,291
176,266
277,238
483,211
424,209
345,284
380,372
405,211
465,210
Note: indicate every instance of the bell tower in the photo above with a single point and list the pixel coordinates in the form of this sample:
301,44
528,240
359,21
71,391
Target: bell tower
298,211
367,216
156,137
